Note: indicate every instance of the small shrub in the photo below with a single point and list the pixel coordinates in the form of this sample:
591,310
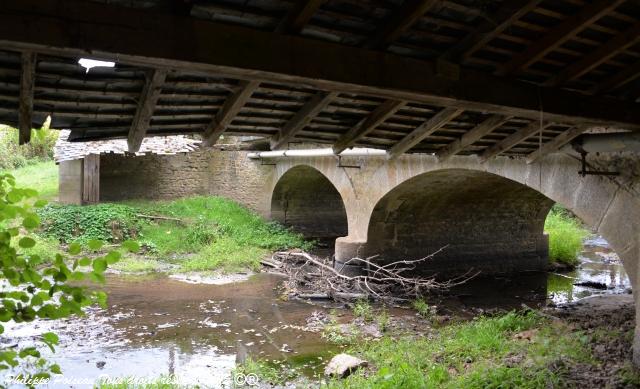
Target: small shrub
363,309
383,319
425,310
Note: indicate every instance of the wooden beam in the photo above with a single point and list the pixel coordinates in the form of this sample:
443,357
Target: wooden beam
619,79
602,54
557,142
75,28
471,136
406,15
512,140
487,30
424,130
91,179
300,120
229,110
558,35
368,124
27,83
146,105
300,14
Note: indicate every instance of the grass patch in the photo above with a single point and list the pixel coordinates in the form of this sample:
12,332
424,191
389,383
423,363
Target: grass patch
212,233
42,176
472,355
566,234
134,264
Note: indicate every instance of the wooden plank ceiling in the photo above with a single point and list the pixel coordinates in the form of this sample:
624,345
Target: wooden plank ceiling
558,57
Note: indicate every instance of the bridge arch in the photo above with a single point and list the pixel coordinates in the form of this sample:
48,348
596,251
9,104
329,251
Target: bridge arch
300,195
482,220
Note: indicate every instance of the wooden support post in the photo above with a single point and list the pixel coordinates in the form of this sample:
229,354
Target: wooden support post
91,179
368,124
408,13
602,54
557,142
229,110
471,136
424,130
558,35
146,105
300,120
299,16
27,83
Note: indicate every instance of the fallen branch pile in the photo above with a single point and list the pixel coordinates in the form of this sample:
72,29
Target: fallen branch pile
315,278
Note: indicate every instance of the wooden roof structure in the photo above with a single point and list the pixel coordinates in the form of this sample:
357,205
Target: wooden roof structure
486,77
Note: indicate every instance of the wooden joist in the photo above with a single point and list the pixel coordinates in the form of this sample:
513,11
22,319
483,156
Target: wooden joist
243,53
512,140
229,110
146,105
406,15
621,78
424,130
299,16
487,30
471,136
366,125
300,120
600,55
556,143
561,33
27,82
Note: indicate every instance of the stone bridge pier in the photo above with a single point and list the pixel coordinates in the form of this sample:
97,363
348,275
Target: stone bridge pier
488,217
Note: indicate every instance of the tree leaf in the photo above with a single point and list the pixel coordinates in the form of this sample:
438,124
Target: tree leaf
26,243
131,245
74,248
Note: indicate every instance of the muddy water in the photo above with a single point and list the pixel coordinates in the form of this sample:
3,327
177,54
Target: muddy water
156,325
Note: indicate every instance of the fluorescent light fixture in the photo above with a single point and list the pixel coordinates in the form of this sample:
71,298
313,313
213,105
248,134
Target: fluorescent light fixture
93,63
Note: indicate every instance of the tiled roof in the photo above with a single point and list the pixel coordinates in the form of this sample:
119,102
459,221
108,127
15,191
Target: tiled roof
165,145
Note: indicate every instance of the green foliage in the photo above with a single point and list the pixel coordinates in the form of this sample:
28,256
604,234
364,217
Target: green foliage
383,319
336,333
267,373
424,309
566,234
34,286
41,175
471,355
39,149
105,222
363,309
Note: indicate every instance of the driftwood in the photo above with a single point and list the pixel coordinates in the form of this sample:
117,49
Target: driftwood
314,278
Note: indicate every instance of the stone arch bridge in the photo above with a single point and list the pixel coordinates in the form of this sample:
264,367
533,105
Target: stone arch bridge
490,216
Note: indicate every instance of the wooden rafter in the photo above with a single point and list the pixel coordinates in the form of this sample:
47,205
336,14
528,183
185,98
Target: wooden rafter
619,79
560,34
424,130
229,110
368,124
300,14
556,143
146,105
487,30
510,141
27,83
399,22
602,54
471,136
245,53
300,120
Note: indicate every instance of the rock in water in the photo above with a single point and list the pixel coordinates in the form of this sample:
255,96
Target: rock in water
342,365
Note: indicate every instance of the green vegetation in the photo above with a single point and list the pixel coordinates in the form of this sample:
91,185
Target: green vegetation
512,350
40,175
39,149
423,309
206,233
566,234
38,284
362,309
